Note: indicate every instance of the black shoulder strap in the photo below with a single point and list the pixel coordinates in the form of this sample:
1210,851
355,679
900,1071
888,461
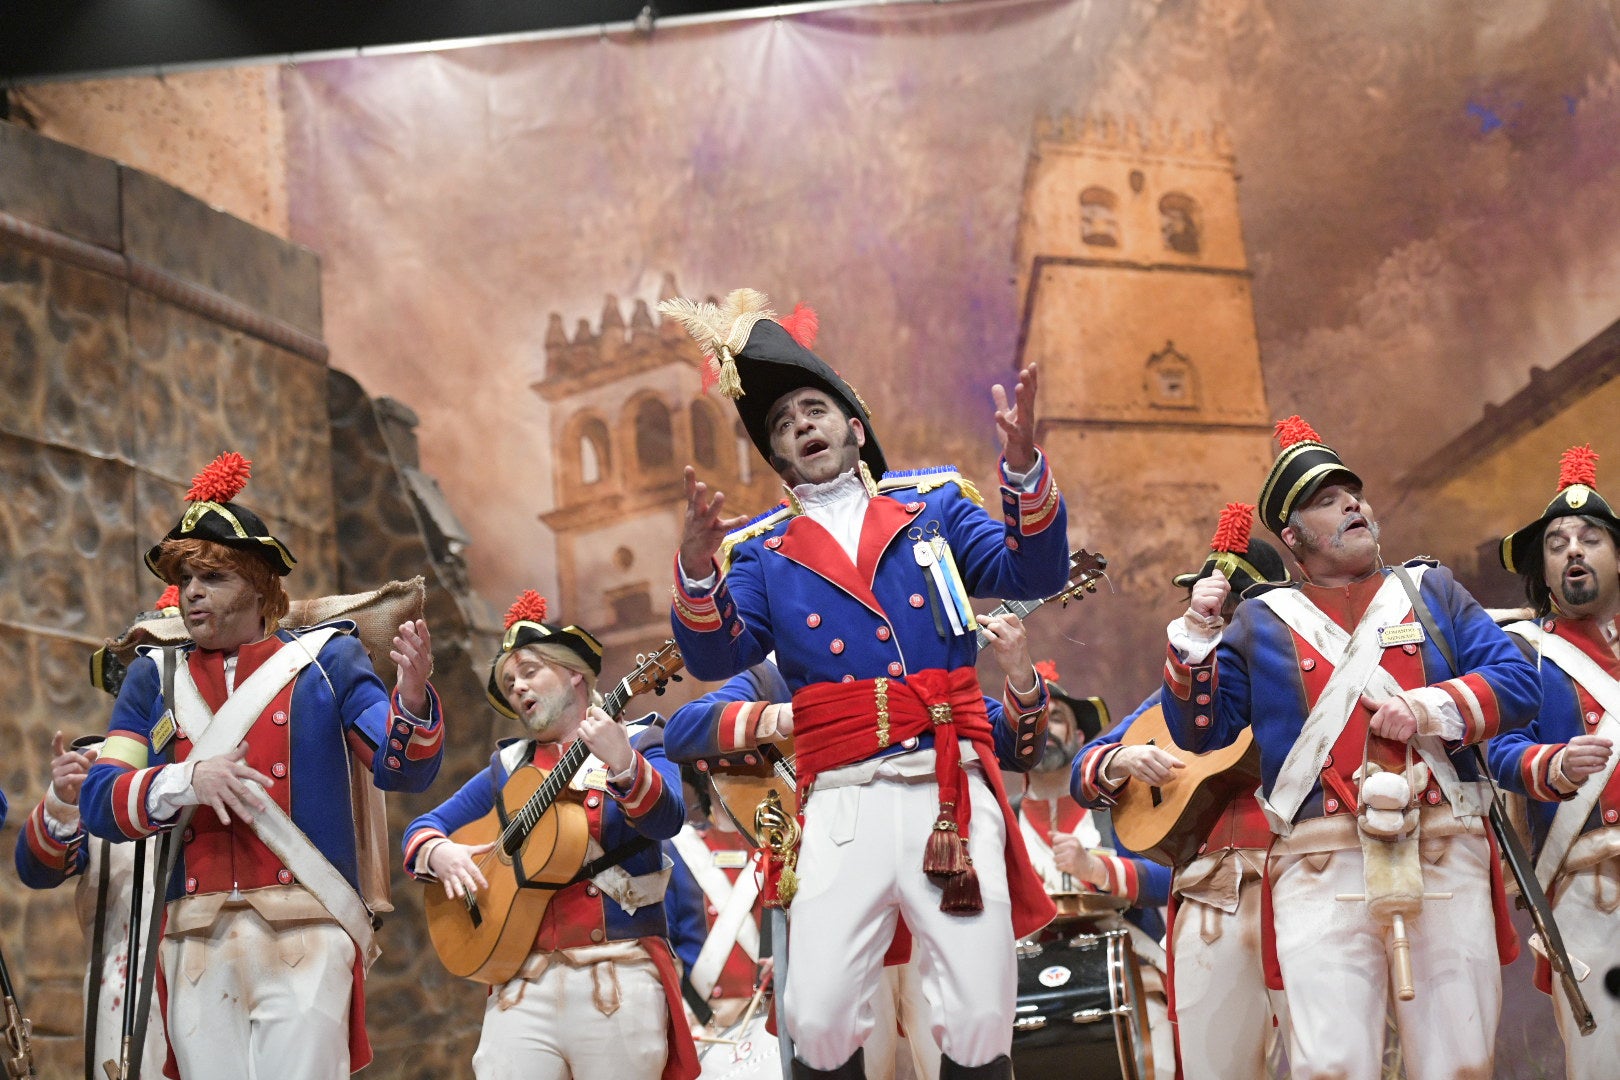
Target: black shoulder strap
1420,608
98,956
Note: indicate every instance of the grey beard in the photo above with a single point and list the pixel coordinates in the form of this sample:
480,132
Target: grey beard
548,713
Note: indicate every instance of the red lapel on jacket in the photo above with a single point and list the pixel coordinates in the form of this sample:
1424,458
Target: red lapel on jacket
810,545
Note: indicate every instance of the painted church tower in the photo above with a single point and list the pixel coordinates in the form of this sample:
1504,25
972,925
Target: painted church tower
627,415
1134,298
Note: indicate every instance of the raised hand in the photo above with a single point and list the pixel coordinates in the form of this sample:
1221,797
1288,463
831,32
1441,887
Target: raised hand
68,767
1016,424
704,528
413,652
607,740
1207,600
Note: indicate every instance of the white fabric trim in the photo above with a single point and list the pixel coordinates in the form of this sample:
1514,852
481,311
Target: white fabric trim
734,925
213,734
1571,815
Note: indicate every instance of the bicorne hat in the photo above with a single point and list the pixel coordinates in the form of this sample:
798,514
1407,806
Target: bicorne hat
1090,713
526,625
213,516
1245,559
760,357
1577,495
1304,465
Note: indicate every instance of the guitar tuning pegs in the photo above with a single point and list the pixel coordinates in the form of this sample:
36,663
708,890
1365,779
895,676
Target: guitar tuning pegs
675,678
658,691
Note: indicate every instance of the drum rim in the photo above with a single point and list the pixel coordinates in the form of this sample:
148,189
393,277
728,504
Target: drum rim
1126,998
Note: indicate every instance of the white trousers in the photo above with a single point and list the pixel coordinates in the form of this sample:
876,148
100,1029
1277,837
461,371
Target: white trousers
900,1006
1224,1013
249,1001
600,1021
1585,909
860,867
1337,973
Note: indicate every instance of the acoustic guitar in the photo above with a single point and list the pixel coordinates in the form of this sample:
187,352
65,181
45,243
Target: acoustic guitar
741,781
1167,822
541,832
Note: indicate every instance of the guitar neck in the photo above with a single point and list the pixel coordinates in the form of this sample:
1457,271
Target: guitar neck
1020,608
524,821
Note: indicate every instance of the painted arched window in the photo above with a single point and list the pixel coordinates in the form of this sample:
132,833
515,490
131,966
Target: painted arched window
1178,218
1099,224
594,456
705,436
655,437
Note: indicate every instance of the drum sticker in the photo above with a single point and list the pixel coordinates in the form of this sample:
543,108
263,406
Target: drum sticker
1055,976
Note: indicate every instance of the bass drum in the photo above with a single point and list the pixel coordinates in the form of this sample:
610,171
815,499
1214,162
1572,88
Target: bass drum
1080,1010
743,1051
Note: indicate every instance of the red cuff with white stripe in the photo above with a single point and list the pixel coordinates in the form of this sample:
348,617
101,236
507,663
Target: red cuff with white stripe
1037,509
1476,701
739,724
129,802
47,849
1535,768
1178,675
1093,788
414,843
426,739
641,794
1122,880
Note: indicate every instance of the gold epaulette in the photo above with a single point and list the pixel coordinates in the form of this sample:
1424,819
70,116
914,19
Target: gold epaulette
926,481
758,527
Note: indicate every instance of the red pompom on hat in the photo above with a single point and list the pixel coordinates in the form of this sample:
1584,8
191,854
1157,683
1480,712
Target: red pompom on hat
169,599
221,479
1234,529
1577,495
530,606
1578,466
1295,430
1048,670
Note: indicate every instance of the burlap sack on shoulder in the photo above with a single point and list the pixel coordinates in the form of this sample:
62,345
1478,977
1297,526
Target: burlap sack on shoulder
377,616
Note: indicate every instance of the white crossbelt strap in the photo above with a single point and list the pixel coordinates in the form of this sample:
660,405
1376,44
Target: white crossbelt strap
1355,659
1571,816
734,925
213,734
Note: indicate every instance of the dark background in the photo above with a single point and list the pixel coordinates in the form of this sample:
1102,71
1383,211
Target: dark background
53,38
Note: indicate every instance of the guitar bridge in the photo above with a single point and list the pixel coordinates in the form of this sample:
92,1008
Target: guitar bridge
473,913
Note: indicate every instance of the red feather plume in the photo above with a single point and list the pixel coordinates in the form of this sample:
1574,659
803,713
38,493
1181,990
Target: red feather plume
530,606
711,372
1047,669
221,480
169,599
1232,533
803,325
1578,466
1294,430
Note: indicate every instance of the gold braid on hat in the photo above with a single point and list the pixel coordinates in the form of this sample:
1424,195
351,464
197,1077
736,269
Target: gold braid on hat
721,330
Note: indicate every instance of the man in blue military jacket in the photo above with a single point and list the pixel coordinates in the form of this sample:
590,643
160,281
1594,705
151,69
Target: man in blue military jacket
1564,759
1356,709
598,997
248,732
860,584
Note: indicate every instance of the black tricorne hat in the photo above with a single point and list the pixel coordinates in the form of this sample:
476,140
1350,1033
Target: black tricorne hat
1245,559
213,516
1304,464
1090,713
1577,496
524,626
761,357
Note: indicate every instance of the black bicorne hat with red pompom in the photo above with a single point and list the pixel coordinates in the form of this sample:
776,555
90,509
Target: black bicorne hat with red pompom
526,625
759,356
1090,713
213,516
1577,496
1304,465
1245,559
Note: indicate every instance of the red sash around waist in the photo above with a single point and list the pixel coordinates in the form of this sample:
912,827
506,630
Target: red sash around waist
837,724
